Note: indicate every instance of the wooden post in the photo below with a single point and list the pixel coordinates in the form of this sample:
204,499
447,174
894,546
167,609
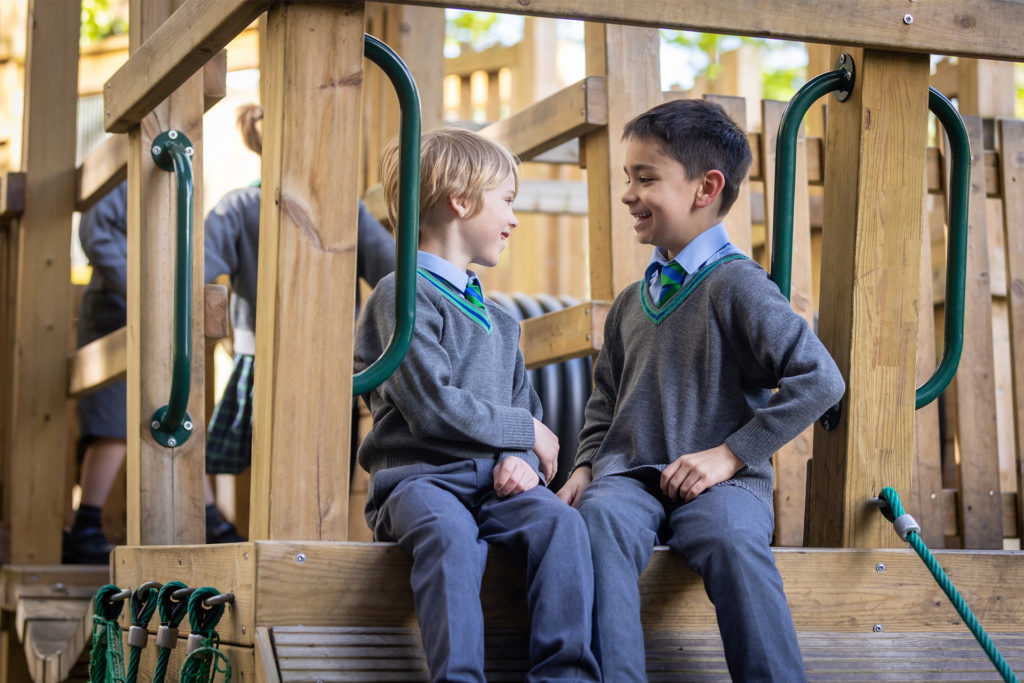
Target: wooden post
164,485
871,258
40,251
628,59
304,330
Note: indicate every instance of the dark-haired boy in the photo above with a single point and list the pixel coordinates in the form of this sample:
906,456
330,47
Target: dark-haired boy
704,373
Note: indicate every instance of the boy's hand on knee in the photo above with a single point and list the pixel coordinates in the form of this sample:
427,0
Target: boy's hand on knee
513,475
545,445
573,489
690,475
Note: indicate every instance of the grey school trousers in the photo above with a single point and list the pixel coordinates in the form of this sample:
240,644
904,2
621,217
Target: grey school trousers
444,519
725,535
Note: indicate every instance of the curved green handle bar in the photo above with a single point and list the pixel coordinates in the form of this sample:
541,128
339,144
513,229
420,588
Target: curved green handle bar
408,218
785,169
171,425
956,249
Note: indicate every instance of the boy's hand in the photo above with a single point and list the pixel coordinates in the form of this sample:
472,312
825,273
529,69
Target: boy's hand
575,486
693,473
545,445
513,475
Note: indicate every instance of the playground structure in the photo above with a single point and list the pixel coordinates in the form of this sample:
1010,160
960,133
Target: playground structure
867,172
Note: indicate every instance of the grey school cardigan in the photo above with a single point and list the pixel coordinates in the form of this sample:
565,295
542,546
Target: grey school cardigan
705,376
460,393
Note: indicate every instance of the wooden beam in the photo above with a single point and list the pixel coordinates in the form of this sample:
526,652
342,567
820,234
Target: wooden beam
171,54
12,194
98,364
871,256
307,263
165,502
985,28
36,410
569,333
491,60
574,111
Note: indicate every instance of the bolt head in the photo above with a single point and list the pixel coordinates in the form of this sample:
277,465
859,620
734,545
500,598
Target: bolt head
880,567
172,134
155,424
189,151
172,442
908,18
878,628
187,425
300,558
157,150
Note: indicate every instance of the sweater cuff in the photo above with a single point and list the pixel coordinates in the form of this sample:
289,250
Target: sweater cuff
584,458
517,430
752,443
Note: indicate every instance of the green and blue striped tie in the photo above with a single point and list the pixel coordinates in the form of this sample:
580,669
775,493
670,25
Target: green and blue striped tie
474,295
672,275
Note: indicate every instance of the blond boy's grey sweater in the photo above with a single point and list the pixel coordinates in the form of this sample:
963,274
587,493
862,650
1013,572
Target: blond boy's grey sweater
732,363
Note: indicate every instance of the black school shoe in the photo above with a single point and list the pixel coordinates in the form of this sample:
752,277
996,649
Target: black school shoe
85,545
222,531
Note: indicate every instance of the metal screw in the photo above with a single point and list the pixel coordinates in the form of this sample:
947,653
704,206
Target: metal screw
172,442
880,567
59,587
243,629
300,558
187,425
189,151
933,496
878,628
908,18
157,150
172,134
991,493
155,424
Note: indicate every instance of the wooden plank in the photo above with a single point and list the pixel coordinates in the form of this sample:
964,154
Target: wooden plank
307,263
791,460
627,58
49,581
98,364
12,195
1011,155
737,223
949,522
988,28
980,511
165,502
265,657
171,53
242,659
574,111
228,567
572,332
869,285
36,409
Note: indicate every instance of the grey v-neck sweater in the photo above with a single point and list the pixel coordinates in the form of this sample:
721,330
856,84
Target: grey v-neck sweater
705,376
460,393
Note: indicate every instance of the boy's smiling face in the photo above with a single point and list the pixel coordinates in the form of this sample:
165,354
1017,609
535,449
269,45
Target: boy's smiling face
482,235
662,201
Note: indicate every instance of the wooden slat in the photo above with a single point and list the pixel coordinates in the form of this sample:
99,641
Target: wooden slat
12,194
737,223
266,659
1011,154
987,28
869,284
980,509
171,54
307,264
949,520
98,364
569,333
49,581
569,113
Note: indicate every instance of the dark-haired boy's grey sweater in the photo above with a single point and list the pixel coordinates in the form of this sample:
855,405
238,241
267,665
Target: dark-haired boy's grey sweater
705,376
460,393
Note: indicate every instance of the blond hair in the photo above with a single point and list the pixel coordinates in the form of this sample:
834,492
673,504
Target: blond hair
453,163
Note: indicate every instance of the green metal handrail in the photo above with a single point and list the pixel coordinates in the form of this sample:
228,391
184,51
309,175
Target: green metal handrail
171,424
956,248
408,217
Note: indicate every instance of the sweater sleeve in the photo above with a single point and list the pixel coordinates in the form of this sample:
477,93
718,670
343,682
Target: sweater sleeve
782,350
600,407
103,232
222,228
524,396
422,390
375,248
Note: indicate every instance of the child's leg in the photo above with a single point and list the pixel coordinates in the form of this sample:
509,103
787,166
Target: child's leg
623,520
428,519
552,539
725,535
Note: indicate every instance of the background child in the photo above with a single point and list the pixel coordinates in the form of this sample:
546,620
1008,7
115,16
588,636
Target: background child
705,372
456,448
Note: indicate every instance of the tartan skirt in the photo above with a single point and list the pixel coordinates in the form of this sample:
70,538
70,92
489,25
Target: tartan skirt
229,441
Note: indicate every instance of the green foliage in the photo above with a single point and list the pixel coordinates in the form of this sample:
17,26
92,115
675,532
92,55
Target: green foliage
100,21
472,28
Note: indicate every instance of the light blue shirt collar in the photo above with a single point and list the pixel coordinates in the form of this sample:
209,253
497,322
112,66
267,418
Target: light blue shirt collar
445,269
706,247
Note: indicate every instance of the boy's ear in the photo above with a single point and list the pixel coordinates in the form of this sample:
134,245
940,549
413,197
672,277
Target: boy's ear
459,205
709,188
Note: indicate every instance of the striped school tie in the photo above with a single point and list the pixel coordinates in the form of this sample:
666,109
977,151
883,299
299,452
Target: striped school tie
474,295
672,275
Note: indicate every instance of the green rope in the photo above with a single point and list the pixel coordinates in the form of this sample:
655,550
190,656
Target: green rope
171,613
909,532
143,605
106,660
204,663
